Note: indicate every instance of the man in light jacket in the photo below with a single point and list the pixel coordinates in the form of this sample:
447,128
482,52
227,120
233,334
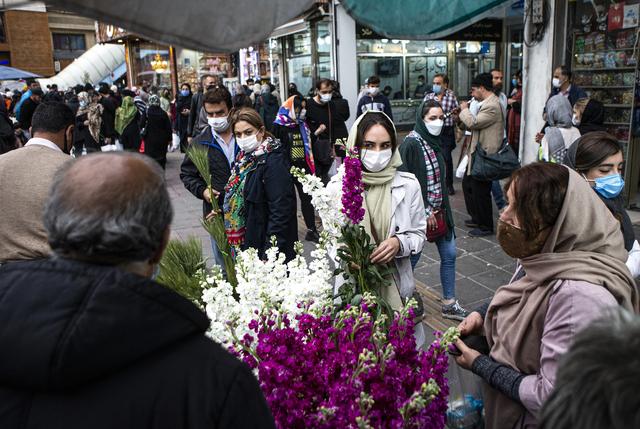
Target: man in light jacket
487,129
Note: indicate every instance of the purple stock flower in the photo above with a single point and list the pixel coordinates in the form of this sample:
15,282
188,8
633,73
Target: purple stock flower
313,373
352,188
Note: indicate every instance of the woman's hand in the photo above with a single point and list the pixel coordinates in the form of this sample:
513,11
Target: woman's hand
468,355
471,325
539,137
432,223
213,214
386,251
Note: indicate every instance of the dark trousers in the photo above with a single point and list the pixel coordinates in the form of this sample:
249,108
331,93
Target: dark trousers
448,139
322,171
308,213
477,198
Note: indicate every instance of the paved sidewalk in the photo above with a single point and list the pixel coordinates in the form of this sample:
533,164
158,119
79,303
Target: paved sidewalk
481,265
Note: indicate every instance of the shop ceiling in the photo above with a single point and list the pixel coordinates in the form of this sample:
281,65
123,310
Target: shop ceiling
229,25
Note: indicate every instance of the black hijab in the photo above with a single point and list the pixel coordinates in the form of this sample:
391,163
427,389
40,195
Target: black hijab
592,117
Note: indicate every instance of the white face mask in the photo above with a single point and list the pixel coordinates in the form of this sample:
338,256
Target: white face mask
376,161
219,124
325,98
575,120
248,144
434,127
374,90
556,82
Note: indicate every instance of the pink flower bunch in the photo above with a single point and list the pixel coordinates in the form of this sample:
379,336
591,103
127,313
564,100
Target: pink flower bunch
352,188
347,371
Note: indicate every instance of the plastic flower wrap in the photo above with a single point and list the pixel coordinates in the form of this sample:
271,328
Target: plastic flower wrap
348,371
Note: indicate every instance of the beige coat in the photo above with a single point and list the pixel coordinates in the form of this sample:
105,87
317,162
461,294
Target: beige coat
487,128
25,178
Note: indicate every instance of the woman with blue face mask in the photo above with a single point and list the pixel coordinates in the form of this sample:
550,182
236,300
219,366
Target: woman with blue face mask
183,106
598,157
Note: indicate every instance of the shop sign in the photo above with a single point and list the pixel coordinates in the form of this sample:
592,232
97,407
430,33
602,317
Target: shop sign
487,30
107,33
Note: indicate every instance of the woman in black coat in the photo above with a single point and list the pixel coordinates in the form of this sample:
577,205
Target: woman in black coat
157,131
88,123
127,124
259,198
183,105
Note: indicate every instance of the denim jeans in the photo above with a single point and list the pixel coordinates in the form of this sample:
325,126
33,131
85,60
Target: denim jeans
498,196
217,256
447,251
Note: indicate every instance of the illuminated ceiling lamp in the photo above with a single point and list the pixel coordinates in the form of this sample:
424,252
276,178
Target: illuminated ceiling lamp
158,64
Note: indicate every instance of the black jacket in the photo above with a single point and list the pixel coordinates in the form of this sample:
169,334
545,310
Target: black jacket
88,346
157,138
333,115
218,166
575,93
26,113
194,113
82,135
108,128
130,137
270,204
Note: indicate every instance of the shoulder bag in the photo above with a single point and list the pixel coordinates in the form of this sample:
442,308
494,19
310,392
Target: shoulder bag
494,166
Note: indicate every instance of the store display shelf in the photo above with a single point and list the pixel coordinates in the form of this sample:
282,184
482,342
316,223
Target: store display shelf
621,106
616,123
606,87
605,50
603,69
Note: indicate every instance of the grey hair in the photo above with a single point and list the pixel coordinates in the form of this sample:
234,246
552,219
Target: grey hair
130,229
598,379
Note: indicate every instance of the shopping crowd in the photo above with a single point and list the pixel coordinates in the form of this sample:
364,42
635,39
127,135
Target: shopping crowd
80,243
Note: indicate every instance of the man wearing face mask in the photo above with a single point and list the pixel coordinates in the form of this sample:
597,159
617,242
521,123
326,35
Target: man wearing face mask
487,128
562,84
374,99
326,119
222,151
198,119
447,99
23,193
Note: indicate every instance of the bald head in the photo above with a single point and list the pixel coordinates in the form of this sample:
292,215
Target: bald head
108,208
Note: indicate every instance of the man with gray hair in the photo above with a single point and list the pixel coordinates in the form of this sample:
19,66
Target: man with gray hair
598,379
89,340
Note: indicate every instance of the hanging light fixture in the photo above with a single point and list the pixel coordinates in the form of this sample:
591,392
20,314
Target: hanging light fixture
158,64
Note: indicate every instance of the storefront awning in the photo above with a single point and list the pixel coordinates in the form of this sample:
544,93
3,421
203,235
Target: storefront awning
203,25
420,19
96,65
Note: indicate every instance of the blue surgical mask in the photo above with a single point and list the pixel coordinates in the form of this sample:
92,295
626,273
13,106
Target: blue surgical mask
437,89
184,92
609,186
514,82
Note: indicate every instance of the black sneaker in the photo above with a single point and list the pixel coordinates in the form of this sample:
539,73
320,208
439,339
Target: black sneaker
312,236
451,190
478,232
454,311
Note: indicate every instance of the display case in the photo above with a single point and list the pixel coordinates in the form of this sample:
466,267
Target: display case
604,65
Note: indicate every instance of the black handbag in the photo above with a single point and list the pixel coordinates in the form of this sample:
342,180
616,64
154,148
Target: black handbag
494,166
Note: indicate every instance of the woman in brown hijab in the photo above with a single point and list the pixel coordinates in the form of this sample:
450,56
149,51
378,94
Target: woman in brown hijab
572,270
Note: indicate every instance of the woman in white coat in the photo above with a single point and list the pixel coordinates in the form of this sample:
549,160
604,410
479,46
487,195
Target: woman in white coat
394,211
